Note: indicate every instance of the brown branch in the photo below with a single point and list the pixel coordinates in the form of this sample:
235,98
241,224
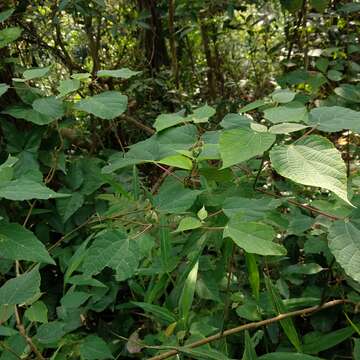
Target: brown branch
253,325
303,206
139,124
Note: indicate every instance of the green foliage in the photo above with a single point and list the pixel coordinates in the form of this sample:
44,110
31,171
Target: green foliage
121,241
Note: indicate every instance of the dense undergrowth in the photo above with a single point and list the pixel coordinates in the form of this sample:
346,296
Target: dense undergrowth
140,228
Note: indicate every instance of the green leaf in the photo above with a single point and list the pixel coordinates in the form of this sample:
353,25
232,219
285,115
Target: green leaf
188,292
202,114
188,223
68,206
253,237
9,35
202,214
334,75
283,95
49,106
356,349
291,112
37,312
95,348
249,352
107,105
21,289
165,243
344,244
319,5
168,142
286,128
203,353
4,15
287,356
68,86
27,113
112,249
239,145
179,161
174,198
81,76
18,243
36,73
291,5
25,189
254,276
50,333
165,121
74,299
123,73
232,121
7,331
158,311
3,88
313,161
348,92
323,342
279,307
252,106
335,118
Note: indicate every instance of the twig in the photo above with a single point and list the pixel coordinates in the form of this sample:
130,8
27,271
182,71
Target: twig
303,206
253,325
161,179
139,124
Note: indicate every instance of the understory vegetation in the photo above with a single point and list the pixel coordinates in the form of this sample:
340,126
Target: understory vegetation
179,179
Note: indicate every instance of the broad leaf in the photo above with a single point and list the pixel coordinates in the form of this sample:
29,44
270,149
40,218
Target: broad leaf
349,92
37,312
232,121
112,249
313,161
283,95
287,356
17,243
21,289
174,198
8,35
25,189
335,118
36,73
344,243
253,237
49,106
29,114
179,161
107,105
123,73
68,86
68,206
286,128
202,114
249,352
291,112
4,15
239,145
95,348
165,121
3,88
50,333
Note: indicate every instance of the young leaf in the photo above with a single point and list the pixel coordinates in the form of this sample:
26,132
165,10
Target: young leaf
313,161
107,105
239,145
18,243
188,223
21,289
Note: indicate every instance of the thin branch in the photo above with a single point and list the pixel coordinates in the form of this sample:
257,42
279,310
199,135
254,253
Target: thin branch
253,325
